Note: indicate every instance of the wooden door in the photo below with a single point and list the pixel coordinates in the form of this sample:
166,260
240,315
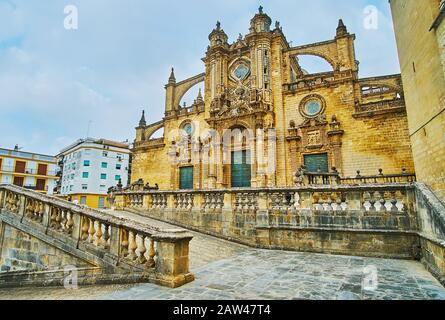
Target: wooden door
186,178
241,169
20,166
42,169
19,181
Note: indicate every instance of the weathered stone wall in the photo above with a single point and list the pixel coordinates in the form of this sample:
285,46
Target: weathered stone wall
422,64
368,143
384,236
431,220
20,251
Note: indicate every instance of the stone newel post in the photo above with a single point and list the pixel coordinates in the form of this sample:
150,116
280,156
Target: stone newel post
173,257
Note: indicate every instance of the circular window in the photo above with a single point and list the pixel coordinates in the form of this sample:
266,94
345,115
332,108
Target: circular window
241,72
188,128
312,106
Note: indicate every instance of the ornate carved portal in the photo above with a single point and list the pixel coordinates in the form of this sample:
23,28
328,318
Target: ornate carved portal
243,110
315,137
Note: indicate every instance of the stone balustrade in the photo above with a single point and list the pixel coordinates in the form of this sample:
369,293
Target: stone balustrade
299,218
370,198
99,238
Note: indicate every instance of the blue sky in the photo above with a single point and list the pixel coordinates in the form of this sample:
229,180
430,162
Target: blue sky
54,81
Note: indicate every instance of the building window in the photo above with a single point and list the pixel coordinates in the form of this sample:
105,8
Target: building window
72,176
105,154
85,175
117,177
84,187
103,176
118,166
101,202
104,165
71,188
86,163
83,200
102,187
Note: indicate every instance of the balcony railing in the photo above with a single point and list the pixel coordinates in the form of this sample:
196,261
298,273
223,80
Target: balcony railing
29,171
333,178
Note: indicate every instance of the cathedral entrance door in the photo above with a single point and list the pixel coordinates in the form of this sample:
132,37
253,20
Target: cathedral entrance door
241,169
315,162
186,178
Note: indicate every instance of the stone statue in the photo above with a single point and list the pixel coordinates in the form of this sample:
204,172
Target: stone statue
299,177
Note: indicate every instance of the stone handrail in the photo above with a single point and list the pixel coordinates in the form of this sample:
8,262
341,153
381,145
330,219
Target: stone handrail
431,212
114,241
333,178
383,198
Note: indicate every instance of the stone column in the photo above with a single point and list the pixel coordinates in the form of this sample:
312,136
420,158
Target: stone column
172,265
173,158
213,165
2,198
262,221
254,161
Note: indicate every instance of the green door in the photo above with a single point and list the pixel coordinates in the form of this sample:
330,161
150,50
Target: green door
241,169
186,178
315,162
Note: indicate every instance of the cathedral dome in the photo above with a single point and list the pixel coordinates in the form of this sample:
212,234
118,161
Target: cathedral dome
261,22
218,36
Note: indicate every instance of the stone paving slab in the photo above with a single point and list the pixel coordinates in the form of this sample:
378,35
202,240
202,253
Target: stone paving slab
226,270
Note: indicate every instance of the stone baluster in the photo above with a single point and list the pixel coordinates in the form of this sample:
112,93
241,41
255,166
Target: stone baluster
124,243
69,225
132,246
142,249
151,254
63,220
84,231
91,231
99,234
106,236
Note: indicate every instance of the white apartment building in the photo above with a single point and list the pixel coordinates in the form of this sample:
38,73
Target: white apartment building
91,167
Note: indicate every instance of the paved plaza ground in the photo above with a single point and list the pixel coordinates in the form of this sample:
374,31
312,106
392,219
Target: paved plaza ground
226,270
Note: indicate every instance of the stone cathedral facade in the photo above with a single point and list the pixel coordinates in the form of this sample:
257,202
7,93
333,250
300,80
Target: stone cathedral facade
255,86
